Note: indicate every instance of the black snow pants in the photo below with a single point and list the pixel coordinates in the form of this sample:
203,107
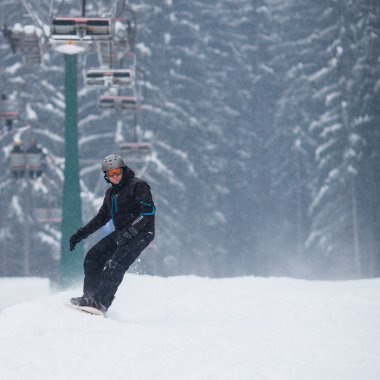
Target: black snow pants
106,263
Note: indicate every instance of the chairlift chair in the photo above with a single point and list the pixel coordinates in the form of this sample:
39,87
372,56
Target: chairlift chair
9,110
27,40
110,77
17,162
135,151
29,43
48,215
119,102
83,28
34,162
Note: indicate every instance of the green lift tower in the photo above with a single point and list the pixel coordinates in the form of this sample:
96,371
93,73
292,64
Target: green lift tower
71,262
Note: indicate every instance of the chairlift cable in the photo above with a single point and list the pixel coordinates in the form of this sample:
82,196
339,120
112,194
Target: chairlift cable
83,8
118,13
113,8
132,31
32,14
145,90
52,8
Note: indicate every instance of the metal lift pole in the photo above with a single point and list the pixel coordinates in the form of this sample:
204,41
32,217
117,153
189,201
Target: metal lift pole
27,240
83,8
71,262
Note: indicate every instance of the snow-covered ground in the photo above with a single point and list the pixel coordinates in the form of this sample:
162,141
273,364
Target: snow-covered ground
17,289
197,328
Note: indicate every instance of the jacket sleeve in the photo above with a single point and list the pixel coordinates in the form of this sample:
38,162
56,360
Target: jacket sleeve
146,207
101,219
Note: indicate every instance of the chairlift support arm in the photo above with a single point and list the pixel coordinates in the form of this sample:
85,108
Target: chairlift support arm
83,8
32,14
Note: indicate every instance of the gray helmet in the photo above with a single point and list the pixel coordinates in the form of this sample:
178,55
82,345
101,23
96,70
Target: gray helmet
112,162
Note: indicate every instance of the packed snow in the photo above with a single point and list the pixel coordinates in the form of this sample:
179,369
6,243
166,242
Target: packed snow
17,289
198,328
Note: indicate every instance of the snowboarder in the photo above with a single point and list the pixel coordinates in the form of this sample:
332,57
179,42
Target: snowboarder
128,202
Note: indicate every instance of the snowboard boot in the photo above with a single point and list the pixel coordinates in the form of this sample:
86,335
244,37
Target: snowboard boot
81,301
102,303
91,302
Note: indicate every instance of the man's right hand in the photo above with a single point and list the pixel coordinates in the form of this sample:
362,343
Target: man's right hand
74,240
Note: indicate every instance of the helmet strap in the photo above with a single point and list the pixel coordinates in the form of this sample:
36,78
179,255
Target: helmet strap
106,177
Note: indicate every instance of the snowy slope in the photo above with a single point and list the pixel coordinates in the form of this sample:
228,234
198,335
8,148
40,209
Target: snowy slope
17,289
196,328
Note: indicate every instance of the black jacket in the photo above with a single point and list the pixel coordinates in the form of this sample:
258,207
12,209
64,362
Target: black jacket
128,204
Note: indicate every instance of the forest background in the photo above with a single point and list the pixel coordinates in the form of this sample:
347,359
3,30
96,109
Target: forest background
264,117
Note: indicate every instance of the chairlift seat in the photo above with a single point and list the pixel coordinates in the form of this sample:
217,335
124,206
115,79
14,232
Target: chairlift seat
66,28
117,77
135,151
48,215
9,110
34,161
119,102
17,162
129,103
122,77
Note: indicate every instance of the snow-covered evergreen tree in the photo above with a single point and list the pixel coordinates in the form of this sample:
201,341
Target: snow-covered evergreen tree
264,121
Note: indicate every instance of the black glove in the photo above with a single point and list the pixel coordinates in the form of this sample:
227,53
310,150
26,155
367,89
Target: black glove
124,235
75,239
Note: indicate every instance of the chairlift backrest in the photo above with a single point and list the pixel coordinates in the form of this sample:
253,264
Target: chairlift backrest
26,161
84,28
107,102
129,103
119,102
117,77
122,77
34,161
135,151
9,110
17,161
48,215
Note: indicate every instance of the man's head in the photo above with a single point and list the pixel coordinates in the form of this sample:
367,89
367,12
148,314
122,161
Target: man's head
112,166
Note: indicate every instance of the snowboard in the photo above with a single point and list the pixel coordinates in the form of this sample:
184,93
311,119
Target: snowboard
88,310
